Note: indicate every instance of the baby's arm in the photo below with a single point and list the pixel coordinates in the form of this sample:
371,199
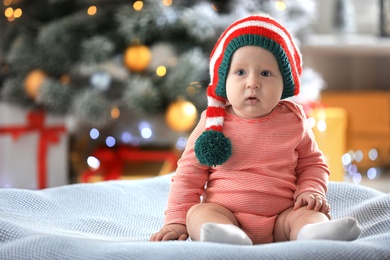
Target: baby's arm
171,232
313,201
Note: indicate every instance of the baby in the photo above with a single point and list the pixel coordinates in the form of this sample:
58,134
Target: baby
252,172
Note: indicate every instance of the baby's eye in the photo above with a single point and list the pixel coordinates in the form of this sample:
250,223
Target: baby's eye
266,73
240,72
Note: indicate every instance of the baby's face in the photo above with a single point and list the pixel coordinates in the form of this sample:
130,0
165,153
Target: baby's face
254,83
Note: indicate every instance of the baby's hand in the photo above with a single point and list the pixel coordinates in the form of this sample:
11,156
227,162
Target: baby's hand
313,201
171,232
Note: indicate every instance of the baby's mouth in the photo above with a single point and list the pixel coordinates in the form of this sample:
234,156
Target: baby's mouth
252,100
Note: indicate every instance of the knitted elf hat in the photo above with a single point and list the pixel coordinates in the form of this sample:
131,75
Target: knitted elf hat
212,147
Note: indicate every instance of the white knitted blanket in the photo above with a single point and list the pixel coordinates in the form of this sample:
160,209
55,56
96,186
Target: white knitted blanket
114,220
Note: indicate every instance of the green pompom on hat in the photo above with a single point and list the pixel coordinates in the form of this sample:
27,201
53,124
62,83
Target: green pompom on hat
212,147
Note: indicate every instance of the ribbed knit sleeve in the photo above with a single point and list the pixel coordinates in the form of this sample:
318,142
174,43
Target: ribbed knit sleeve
311,170
189,181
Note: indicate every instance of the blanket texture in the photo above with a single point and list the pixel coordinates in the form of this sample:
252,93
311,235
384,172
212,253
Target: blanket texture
114,220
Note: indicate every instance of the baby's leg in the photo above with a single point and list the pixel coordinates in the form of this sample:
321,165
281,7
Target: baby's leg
345,229
309,224
209,222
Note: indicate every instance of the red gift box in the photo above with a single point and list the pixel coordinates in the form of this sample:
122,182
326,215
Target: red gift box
33,149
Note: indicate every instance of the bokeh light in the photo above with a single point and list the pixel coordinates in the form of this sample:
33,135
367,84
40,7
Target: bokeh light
167,2
321,125
93,162
115,112
181,143
280,5
373,154
138,5
357,178
92,10
94,133
110,141
161,71
359,156
346,159
312,122
372,173
126,137
145,130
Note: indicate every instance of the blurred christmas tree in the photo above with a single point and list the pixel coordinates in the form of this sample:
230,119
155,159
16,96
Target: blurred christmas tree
93,59
132,72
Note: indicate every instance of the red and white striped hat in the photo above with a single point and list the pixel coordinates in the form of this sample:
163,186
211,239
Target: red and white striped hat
212,147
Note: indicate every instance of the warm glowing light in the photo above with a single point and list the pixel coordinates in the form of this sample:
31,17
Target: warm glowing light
280,5
18,13
321,125
9,12
92,10
115,113
181,115
138,5
312,122
167,2
33,82
161,71
7,2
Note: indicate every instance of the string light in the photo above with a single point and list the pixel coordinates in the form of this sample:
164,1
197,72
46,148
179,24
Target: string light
115,112
12,14
181,143
92,10
372,173
312,122
110,141
146,131
18,13
94,133
93,162
357,178
373,154
346,159
167,2
126,137
280,5
358,156
9,12
161,71
138,5
321,125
